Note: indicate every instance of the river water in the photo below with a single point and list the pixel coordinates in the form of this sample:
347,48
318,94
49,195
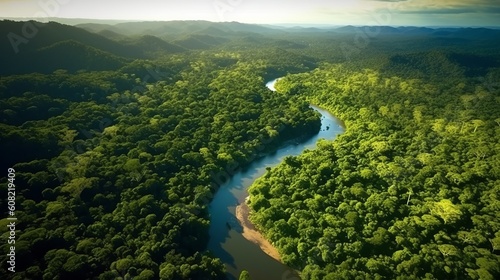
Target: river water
226,240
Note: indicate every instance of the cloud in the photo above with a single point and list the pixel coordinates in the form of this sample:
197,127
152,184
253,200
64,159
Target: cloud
416,12
453,10
446,7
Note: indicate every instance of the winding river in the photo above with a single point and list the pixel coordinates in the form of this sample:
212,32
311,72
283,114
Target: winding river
226,239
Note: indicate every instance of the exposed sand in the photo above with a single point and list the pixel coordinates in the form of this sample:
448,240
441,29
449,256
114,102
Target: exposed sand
251,234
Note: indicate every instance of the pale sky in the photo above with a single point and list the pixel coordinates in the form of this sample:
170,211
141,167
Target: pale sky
331,12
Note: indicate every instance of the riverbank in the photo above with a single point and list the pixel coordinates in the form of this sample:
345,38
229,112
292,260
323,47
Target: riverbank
230,243
251,234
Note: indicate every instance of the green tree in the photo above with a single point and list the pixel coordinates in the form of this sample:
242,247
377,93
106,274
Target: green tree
446,210
244,275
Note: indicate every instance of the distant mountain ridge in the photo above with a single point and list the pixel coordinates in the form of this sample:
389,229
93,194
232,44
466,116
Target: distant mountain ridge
53,32
172,29
459,32
113,44
115,49
110,46
166,28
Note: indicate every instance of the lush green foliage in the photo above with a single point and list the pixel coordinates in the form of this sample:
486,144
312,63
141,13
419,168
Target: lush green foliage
117,182
244,275
410,190
117,157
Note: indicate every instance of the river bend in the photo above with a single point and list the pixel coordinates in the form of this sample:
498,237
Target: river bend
226,239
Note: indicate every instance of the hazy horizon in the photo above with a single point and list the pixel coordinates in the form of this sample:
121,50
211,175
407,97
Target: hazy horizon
450,13
77,21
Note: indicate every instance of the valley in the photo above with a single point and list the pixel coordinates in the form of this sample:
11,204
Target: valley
133,144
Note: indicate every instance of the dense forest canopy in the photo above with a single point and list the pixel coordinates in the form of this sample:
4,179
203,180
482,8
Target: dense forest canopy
115,134
410,190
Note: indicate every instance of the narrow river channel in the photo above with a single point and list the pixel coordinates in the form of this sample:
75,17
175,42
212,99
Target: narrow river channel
226,239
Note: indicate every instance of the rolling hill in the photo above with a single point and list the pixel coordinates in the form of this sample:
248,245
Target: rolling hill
25,51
